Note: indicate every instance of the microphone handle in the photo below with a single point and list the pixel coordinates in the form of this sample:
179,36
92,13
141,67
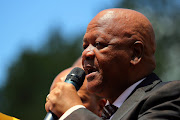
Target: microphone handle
50,116
76,78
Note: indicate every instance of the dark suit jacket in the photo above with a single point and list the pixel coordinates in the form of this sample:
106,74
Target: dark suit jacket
151,99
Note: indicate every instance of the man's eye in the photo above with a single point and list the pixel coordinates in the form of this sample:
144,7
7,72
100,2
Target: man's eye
99,45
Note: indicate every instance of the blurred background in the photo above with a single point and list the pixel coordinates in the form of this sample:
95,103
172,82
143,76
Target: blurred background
41,38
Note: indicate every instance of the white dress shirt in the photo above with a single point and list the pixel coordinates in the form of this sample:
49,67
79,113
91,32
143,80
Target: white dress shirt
118,102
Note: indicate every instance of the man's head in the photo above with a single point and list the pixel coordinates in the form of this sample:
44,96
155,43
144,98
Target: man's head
91,101
119,47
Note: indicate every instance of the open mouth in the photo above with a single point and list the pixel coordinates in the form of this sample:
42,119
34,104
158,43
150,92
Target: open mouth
89,70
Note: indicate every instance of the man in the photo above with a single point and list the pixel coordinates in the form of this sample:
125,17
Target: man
118,58
91,101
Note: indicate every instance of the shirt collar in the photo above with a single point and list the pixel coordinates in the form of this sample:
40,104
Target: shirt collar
119,101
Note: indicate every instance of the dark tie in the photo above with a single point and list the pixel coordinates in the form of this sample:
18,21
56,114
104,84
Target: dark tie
108,111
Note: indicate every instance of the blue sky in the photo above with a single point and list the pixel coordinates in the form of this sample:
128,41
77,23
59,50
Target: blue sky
25,23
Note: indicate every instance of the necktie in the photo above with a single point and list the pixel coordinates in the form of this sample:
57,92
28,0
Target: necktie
108,111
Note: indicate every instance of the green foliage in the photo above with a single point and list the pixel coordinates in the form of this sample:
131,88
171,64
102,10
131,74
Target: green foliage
30,77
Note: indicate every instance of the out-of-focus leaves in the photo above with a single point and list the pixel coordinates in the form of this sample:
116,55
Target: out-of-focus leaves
30,77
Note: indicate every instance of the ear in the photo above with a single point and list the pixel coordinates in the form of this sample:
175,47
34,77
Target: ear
101,104
138,50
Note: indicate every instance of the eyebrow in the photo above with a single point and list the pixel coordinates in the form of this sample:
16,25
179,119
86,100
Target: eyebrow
92,36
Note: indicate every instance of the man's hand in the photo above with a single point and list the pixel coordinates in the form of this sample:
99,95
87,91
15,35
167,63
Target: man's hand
61,98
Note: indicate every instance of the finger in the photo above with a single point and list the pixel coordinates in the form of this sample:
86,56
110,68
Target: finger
47,106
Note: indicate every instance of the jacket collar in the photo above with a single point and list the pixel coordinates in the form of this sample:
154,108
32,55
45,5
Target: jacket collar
138,93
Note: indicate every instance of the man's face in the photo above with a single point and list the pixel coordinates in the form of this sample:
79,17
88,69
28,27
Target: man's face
106,57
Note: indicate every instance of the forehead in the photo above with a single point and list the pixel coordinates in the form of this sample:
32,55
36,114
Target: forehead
96,30
105,27
96,34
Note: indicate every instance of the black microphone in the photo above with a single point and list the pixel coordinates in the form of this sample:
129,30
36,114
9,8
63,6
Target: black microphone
75,77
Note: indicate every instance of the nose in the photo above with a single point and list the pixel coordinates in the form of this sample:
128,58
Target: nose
88,53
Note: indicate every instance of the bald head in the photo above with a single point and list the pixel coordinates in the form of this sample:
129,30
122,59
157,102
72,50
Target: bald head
132,26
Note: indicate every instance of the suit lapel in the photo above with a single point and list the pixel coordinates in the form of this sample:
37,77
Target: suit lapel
129,104
137,95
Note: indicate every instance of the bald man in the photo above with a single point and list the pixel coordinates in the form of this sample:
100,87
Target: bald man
118,58
91,101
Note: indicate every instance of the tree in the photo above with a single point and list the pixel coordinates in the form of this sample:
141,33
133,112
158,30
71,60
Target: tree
30,77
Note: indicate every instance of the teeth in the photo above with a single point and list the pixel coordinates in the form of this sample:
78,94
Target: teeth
89,69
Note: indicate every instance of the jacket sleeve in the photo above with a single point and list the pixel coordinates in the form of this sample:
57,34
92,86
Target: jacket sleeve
82,114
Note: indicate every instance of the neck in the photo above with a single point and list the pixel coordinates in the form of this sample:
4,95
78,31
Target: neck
111,97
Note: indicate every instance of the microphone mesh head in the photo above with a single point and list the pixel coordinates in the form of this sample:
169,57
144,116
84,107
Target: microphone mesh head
77,76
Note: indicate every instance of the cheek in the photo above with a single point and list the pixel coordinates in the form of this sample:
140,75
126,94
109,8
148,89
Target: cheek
114,64
117,58
101,58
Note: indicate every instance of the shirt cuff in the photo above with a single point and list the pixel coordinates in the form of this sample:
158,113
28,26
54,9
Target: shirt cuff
69,111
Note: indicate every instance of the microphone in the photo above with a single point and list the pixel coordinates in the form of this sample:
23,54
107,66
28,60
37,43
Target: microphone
75,77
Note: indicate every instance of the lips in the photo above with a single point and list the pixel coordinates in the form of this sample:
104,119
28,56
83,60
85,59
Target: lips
91,72
89,69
